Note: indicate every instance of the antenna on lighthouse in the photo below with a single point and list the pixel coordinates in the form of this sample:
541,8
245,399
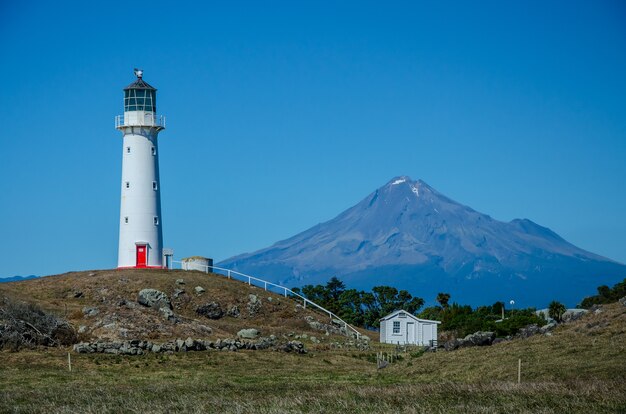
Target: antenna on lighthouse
138,73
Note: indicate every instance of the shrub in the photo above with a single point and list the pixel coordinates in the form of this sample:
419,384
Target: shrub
25,325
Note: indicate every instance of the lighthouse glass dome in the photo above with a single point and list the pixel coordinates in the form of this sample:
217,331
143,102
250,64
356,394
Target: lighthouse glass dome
139,96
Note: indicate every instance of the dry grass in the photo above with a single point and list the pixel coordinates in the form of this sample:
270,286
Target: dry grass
580,369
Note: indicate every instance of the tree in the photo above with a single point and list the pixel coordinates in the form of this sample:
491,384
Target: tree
556,310
443,299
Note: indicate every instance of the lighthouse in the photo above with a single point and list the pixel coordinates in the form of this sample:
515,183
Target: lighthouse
141,235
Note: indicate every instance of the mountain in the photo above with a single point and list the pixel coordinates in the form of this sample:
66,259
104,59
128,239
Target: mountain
16,278
408,235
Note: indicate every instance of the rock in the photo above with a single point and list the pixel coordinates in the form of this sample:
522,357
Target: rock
156,348
596,309
250,333
294,346
528,331
497,341
82,329
89,311
199,289
154,299
270,299
623,301
314,340
254,304
78,294
451,345
180,281
478,339
211,310
178,292
190,343
83,348
571,315
168,314
547,327
233,311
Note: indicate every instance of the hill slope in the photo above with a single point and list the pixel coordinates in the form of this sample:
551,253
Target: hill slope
409,235
104,303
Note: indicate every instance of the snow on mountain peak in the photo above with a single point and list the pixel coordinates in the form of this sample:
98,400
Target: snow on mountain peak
399,181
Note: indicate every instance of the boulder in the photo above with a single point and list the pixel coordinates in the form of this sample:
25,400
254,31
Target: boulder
452,344
233,311
178,292
168,314
529,331
623,301
199,289
254,304
294,346
211,310
250,333
154,299
571,315
478,339
180,281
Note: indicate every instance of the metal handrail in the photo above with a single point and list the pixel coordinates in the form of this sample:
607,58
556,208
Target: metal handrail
157,121
230,273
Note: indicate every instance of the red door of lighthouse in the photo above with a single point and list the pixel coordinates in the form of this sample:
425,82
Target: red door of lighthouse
141,255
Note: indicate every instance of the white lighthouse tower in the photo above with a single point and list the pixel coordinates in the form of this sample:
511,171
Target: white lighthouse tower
141,237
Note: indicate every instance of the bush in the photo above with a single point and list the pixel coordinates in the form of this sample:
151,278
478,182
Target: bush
24,325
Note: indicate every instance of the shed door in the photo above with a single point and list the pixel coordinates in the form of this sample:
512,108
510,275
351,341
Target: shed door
142,253
410,333
428,334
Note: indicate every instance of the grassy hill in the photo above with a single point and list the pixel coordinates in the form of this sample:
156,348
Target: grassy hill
111,295
579,369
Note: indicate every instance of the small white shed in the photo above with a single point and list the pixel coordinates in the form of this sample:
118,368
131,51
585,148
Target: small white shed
400,327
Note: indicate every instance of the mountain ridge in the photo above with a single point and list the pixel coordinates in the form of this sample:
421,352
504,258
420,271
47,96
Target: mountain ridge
407,227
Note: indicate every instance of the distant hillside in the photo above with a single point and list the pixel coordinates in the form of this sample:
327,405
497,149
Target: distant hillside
16,278
409,235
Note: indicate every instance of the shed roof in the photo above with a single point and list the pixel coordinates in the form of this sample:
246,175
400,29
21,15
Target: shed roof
394,314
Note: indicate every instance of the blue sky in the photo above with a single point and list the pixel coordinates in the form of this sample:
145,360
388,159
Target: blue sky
283,114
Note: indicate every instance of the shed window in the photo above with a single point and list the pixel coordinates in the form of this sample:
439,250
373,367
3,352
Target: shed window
396,327
402,315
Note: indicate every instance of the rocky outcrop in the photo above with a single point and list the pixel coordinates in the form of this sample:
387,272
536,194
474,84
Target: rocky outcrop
139,347
623,301
211,310
476,339
154,299
333,328
233,311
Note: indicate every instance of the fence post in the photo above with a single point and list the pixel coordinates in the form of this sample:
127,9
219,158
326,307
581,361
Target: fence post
285,292
519,371
229,274
265,286
305,304
249,281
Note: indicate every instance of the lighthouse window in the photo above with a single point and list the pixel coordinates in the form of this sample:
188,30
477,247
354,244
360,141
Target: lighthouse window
127,184
154,185
139,100
156,220
153,151
128,150
125,220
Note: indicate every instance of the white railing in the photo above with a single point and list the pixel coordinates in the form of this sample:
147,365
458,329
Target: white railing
268,286
154,121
